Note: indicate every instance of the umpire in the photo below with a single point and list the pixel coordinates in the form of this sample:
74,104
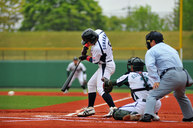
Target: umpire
165,67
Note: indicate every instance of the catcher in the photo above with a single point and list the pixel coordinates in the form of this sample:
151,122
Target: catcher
140,85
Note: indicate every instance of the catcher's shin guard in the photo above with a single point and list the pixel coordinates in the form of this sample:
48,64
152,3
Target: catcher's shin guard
119,114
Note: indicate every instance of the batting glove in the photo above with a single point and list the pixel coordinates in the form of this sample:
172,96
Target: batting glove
83,57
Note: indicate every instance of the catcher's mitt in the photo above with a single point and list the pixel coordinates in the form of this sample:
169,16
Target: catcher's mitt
107,85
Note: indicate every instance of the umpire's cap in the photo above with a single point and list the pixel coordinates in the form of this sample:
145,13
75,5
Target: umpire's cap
89,36
153,35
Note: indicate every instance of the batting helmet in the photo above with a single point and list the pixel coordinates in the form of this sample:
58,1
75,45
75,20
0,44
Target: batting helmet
89,36
138,64
153,35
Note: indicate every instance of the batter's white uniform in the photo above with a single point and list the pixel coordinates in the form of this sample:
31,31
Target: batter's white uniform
107,68
136,81
78,74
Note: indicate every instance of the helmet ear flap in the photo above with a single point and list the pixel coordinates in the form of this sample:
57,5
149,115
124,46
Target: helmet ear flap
93,39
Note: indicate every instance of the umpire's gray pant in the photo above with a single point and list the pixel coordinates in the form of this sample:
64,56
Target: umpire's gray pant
173,80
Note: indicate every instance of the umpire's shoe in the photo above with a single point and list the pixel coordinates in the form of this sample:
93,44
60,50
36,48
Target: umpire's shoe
187,120
146,118
87,112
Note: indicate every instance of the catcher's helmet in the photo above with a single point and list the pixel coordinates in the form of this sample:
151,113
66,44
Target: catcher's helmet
137,63
153,35
89,36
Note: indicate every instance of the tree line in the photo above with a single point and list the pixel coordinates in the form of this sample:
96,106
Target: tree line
77,15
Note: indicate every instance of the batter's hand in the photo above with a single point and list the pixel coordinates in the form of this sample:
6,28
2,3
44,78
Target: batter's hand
83,57
84,50
156,85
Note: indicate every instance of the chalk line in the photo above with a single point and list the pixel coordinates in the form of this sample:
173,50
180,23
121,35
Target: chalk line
99,105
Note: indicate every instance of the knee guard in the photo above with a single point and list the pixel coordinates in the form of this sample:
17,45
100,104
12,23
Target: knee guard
119,114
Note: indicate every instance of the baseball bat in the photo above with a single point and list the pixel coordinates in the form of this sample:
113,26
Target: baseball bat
65,85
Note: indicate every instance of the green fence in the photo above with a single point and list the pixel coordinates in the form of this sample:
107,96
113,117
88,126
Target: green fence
51,74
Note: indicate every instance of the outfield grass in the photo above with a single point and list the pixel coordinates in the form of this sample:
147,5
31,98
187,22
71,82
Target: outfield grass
29,102
73,39
38,89
116,89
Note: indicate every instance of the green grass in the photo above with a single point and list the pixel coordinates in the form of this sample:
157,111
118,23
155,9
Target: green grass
73,39
29,102
38,89
189,91
123,89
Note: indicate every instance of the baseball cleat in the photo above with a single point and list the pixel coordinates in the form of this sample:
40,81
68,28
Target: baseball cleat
156,118
66,91
111,110
132,117
87,112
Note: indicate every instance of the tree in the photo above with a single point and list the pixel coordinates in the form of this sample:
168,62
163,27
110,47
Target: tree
114,23
187,15
10,14
61,15
142,19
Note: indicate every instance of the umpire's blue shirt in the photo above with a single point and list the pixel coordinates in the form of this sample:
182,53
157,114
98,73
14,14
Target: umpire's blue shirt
160,57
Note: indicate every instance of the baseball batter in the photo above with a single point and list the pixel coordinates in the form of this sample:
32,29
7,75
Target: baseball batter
80,74
140,85
102,55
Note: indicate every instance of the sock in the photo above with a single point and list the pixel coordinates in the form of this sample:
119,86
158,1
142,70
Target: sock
107,97
91,99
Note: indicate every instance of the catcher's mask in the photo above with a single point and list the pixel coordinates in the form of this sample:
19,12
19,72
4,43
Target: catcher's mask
89,36
153,35
138,64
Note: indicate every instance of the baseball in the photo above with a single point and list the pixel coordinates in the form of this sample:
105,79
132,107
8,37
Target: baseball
11,93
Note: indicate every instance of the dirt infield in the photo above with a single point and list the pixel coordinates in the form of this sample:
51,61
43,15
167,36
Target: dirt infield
64,115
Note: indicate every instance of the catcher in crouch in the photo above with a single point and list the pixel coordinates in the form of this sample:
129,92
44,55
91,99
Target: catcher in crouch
140,85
